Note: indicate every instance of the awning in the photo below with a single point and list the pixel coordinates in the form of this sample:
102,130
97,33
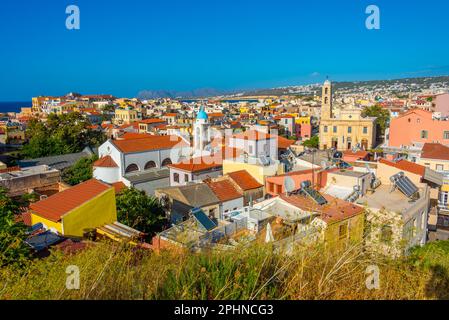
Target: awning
433,176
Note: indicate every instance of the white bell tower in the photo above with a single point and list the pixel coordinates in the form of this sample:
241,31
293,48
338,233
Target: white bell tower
201,133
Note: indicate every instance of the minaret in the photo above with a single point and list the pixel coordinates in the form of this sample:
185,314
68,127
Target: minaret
326,101
201,134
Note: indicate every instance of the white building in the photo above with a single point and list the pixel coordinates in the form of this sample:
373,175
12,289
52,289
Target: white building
141,162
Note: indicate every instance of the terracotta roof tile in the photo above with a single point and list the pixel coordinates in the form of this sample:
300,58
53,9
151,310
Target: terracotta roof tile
118,186
54,207
224,190
244,180
134,135
335,209
284,143
151,143
198,164
405,165
105,162
435,151
152,120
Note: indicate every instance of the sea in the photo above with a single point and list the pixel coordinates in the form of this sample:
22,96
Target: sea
13,106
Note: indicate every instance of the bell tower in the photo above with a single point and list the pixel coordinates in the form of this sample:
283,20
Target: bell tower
326,101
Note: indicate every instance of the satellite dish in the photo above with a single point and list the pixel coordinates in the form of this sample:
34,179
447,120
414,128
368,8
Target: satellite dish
289,184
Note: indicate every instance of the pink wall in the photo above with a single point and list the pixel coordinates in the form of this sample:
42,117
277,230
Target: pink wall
406,129
442,104
304,131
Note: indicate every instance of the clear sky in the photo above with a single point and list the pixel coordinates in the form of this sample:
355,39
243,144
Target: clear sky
124,47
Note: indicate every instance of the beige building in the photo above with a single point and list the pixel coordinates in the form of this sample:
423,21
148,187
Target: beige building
346,130
126,116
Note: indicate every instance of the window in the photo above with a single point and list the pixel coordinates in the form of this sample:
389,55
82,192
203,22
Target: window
176,177
150,164
349,129
424,134
131,168
365,130
440,167
386,234
343,231
446,135
335,129
186,178
166,162
251,149
325,129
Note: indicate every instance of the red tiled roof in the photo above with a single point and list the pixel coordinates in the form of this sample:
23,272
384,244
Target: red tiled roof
244,180
118,186
54,207
105,162
435,151
335,209
224,190
284,143
170,115
155,142
198,164
405,165
134,135
152,120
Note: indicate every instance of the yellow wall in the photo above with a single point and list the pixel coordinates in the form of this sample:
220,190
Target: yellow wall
258,172
50,224
99,211
432,163
355,225
95,213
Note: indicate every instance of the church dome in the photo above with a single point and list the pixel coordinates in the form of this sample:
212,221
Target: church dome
202,115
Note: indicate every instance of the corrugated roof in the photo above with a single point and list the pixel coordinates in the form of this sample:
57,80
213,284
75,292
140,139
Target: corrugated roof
54,207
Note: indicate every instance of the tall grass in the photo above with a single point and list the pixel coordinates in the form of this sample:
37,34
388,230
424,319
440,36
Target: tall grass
111,271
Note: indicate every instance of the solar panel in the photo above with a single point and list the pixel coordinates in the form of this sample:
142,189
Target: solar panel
203,220
315,195
405,185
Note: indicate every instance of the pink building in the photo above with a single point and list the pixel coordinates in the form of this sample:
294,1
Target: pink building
417,126
303,131
441,103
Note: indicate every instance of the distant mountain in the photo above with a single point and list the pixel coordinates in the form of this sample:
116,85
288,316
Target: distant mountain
197,93
399,85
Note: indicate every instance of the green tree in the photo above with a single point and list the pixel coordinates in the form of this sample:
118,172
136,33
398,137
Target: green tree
81,171
60,134
382,115
313,142
13,249
139,211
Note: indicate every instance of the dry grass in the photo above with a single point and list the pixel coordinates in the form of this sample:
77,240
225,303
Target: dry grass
110,271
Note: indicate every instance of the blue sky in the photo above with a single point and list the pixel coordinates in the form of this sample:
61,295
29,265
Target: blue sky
124,47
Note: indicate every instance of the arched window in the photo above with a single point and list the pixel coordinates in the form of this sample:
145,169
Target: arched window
166,162
131,168
150,164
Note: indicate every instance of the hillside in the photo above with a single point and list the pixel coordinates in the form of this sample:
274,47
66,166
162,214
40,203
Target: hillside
109,271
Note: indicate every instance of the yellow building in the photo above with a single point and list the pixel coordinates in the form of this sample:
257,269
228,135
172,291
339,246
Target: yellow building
347,130
256,170
302,120
90,204
126,116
